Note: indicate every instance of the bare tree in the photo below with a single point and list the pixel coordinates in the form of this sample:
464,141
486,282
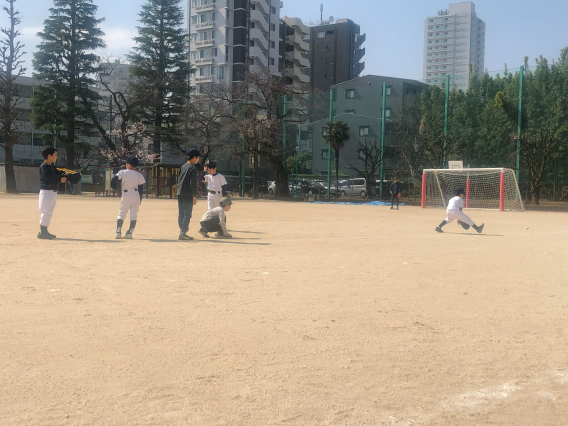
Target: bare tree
208,120
11,68
259,118
371,158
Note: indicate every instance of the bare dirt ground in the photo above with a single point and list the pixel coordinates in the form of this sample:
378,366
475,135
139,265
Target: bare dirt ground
314,315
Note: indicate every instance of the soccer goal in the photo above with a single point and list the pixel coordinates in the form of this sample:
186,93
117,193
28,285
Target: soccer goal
484,188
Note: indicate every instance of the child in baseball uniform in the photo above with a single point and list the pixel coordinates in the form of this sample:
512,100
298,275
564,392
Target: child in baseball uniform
49,180
454,211
214,220
132,185
216,185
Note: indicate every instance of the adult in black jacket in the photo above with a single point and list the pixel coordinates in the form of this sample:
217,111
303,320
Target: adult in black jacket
187,192
395,192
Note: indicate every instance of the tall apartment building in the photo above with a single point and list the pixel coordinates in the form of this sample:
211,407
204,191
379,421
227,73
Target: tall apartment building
335,53
454,45
294,61
229,37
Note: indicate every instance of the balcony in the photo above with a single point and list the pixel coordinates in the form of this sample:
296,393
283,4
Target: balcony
258,18
262,5
204,61
258,55
297,40
360,40
259,37
205,78
299,59
300,76
359,54
208,24
204,7
297,24
205,43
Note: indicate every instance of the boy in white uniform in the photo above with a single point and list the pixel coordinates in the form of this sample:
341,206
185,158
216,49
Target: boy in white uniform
454,211
132,185
214,220
216,185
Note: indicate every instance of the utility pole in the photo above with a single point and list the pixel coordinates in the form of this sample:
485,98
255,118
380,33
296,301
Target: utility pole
297,155
284,131
446,120
329,147
519,121
383,118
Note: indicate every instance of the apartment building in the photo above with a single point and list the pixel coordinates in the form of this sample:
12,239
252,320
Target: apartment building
335,53
359,102
294,61
454,45
229,37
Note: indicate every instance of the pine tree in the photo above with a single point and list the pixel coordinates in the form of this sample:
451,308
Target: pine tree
161,69
66,63
11,67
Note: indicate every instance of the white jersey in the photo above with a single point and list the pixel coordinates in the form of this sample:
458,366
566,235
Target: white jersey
215,182
455,204
130,179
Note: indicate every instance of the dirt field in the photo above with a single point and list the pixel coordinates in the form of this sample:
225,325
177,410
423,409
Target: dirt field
313,315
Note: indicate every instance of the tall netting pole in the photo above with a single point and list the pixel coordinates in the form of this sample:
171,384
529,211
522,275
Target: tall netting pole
502,192
423,201
467,192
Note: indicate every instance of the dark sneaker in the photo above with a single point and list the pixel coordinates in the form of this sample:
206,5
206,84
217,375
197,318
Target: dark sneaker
203,233
480,228
45,236
438,229
185,237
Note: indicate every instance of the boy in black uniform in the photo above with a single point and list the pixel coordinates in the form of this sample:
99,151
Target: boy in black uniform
187,192
395,192
49,180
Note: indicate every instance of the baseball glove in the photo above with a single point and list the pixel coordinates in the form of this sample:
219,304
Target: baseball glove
463,225
72,176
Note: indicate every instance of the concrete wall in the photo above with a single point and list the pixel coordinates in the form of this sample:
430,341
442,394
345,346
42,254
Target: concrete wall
27,178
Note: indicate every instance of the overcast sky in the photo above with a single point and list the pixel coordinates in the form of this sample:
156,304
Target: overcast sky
395,29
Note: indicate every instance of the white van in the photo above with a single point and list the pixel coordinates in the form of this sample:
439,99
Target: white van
354,187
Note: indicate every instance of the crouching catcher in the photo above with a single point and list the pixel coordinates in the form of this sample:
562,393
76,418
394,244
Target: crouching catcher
216,221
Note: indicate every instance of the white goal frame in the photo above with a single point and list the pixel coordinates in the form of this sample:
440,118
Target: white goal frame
506,197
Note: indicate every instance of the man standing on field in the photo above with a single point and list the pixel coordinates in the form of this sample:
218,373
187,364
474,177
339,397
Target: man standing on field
187,192
395,192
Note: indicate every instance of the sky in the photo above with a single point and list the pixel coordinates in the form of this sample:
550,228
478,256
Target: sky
395,29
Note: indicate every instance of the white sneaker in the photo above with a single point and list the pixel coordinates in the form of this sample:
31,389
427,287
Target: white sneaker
117,236
128,236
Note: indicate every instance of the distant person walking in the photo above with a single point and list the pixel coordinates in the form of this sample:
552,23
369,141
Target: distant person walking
395,192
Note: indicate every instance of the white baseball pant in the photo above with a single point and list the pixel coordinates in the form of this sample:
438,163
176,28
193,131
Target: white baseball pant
130,201
47,200
459,215
213,200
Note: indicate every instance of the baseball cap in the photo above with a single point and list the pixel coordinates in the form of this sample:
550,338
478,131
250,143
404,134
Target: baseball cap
225,201
192,152
459,191
132,160
211,164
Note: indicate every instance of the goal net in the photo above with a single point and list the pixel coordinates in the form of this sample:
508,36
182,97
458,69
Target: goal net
484,188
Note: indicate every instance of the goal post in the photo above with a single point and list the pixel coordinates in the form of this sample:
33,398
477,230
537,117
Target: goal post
484,188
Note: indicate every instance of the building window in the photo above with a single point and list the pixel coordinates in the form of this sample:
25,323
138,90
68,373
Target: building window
194,20
387,113
271,61
273,44
388,91
363,130
213,35
349,111
350,94
330,32
193,55
321,34
324,153
214,16
273,27
252,25
273,10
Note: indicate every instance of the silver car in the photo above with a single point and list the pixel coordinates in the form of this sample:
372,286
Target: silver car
354,187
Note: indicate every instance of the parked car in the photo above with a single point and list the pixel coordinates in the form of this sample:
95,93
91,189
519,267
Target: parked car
310,187
354,187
